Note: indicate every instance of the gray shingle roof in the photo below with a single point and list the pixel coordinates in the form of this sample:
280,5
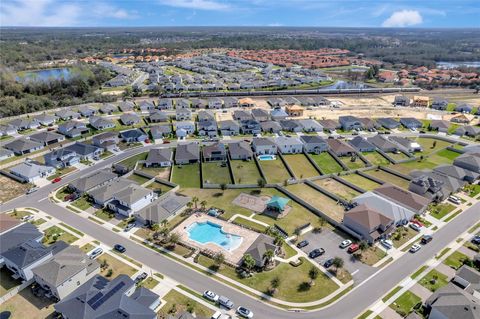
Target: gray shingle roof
164,207
86,183
26,253
159,155
189,151
21,145
18,236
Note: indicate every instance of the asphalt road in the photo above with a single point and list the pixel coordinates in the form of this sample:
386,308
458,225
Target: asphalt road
347,307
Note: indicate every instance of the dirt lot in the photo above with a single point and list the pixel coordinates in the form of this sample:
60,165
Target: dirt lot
11,189
26,305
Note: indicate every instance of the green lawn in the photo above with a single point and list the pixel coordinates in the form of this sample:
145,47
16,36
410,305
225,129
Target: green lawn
81,203
472,190
375,158
159,187
301,166
390,178
443,157
187,176
215,173
138,179
430,145
327,163
398,156
361,181
117,266
104,214
250,224
149,283
402,235
61,172
455,260
406,168
292,286
177,303
275,171
418,272
440,210
54,234
163,172
405,303
131,161
434,280
337,188
391,293
352,165
245,172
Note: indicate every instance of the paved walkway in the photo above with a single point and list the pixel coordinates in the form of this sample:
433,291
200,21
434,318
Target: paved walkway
421,291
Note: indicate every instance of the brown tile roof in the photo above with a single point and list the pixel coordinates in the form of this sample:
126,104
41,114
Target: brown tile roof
368,217
7,222
403,197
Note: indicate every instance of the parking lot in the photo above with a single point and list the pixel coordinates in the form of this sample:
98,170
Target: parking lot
330,241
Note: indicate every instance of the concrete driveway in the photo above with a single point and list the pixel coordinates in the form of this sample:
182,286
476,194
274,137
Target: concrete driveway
330,241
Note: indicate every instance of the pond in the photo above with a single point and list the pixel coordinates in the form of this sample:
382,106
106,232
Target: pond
44,75
342,85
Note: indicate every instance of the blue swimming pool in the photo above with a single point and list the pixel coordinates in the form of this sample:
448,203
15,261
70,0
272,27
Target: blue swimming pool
267,157
208,232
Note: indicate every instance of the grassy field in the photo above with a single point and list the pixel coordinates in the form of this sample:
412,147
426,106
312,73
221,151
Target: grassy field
245,172
361,181
327,163
215,173
159,187
352,165
434,280
402,235
250,224
118,267
292,285
406,168
301,166
398,156
275,171
455,260
131,161
430,145
405,303
440,210
375,158
54,234
138,179
81,203
61,172
337,188
390,178
11,189
443,157
187,176
177,303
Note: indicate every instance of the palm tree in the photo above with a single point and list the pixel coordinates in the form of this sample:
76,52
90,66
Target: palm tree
223,187
195,201
313,274
261,183
173,239
248,261
274,284
268,255
203,204
189,205
338,263
164,223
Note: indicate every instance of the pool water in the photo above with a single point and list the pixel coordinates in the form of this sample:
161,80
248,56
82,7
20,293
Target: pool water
208,232
266,157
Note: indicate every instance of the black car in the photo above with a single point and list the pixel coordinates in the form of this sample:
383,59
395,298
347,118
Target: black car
426,239
328,263
476,240
119,248
141,277
303,243
316,253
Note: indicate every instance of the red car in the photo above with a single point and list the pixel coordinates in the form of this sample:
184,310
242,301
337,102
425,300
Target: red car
50,129
166,142
56,180
147,141
353,248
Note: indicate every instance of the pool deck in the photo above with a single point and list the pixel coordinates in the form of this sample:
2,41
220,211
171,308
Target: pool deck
236,255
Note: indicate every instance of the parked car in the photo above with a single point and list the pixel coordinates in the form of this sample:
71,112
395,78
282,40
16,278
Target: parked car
95,253
316,253
415,248
244,312
32,189
210,295
50,129
415,226
328,263
303,243
225,302
426,239
476,240
56,180
386,243
219,315
353,248
27,218
129,226
345,243
119,248
454,200
141,277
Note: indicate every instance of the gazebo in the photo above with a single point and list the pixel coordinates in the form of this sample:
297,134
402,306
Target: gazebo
277,203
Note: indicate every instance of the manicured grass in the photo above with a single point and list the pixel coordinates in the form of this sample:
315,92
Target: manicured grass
301,166
352,165
275,171
443,157
81,203
326,163
292,285
455,260
87,248
118,267
215,173
104,214
360,181
250,224
38,222
149,283
245,172
390,178
372,255
375,158
177,303
61,172
187,176
473,190
138,179
159,187
402,235
54,234
406,168
76,231
398,156
131,161
430,145
61,193
19,214
418,272
440,210
106,154
405,303
442,253
434,280
452,216
337,188
391,293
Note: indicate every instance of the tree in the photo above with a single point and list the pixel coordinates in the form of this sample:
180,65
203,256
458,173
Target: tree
268,255
189,205
338,263
203,204
173,239
313,273
223,187
155,227
164,223
128,92
363,245
434,144
219,259
195,201
261,183
248,261
274,284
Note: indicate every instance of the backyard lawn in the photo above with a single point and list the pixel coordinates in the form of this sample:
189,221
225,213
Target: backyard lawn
6,281
131,161
275,171
159,187
245,172
293,286
440,210
375,158
443,157
406,168
54,234
327,163
405,303
215,173
118,267
140,180
187,176
26,305
428,144
337,188
360,181
358,163
434,280
390,178
398,156
301,166
161,172
177,303
455,260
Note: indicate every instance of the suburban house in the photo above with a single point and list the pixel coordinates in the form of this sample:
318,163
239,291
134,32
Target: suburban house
428,187
383,144
340,148
314,144
468,278
452,302
146,106
468,161
206,115
161,131
368,223
461,118
199,103
86,111
92,181
207,128
411,201
22,146
309,125
100,123
448,184
163,208
4,154
214,153
62,275
439,104
133,135
46,119
61,158
406,144
259,247
291,126
130,119
401,100
73,129
240,150
182,104
260,115
242,115
67,115
165,104
29,171
464,108
182,129
250,127
183,114
126,106
388,123
468,130
439,125
278,114
7,129
108,108
101,298
294,110
85,151
411,123
187,153
246,102
157,116
361,144
289,145
420,101
229,127
13,233
369,124
229,102
47,138
270,127
329,125
159,157
348,122
214,103
107,140
396,212
457,172
262,146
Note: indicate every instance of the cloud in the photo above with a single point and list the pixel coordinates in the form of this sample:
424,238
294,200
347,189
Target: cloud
403,18
196,4
275,24
104,10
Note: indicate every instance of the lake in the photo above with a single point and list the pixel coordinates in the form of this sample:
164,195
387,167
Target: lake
44,75
451,65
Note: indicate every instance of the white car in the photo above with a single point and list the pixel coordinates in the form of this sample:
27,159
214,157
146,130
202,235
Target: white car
95,253
244,312
345,243
415,248
387,243
27,218
415,227
210,295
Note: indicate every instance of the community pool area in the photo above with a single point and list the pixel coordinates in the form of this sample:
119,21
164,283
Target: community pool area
267,157
209,232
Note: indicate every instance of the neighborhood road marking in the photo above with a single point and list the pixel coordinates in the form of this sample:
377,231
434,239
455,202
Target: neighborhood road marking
353,273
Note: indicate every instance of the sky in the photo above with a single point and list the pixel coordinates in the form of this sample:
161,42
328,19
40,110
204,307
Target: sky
313,13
